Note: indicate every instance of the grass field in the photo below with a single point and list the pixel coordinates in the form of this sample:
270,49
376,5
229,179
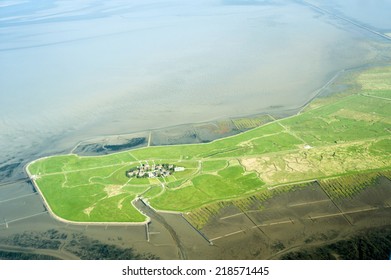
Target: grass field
342,135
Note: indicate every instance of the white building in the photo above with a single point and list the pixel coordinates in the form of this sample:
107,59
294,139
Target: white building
177,169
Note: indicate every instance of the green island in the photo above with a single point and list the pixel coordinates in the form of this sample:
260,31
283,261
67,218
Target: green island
340,136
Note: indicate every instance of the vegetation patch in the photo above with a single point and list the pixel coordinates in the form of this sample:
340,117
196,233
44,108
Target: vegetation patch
213,165
248,123
347,186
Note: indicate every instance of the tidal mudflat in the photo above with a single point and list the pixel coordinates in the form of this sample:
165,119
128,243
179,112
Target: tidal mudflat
72,72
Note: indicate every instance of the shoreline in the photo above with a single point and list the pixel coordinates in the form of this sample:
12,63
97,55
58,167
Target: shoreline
289,112
32,178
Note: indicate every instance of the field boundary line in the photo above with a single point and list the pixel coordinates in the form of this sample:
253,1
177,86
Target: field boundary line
374,96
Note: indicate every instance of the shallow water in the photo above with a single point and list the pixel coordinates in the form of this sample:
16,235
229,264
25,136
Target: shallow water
75,70
375,14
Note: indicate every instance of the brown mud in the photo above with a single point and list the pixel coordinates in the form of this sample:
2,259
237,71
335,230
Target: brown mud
302,218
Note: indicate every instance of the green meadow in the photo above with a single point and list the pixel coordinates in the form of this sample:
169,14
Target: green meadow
342,135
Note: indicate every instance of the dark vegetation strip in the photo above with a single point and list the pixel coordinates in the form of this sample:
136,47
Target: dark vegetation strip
197,230
336,206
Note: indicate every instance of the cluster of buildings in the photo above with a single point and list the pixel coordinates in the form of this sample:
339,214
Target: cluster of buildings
153,171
